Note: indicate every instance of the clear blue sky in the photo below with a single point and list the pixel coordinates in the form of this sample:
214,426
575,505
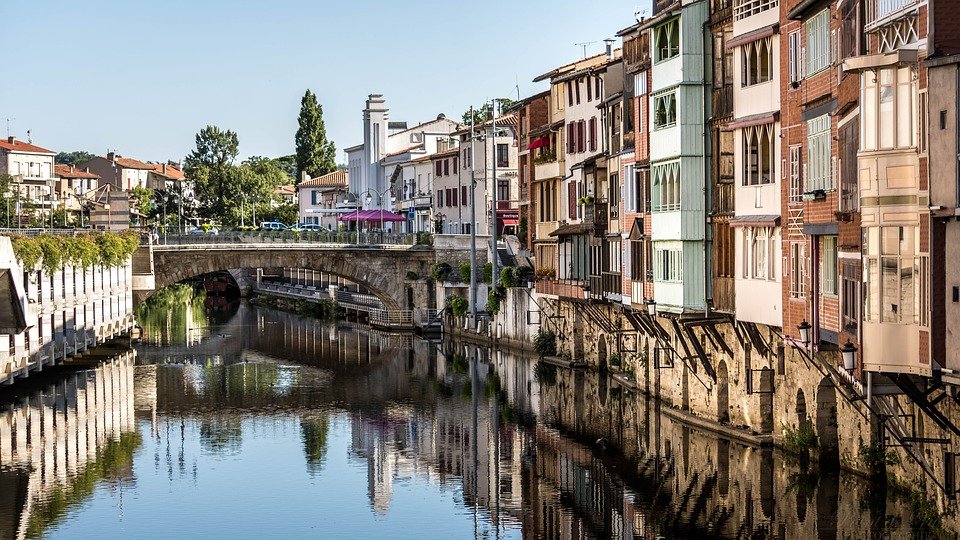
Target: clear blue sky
142,77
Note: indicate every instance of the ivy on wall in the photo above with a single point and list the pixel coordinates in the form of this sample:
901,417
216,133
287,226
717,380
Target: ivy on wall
54,252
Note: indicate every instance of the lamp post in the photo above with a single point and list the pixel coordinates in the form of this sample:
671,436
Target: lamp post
849,354
651,307
473,229
380,194
804,329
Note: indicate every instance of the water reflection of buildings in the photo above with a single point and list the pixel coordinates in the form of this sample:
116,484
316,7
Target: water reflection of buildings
56,441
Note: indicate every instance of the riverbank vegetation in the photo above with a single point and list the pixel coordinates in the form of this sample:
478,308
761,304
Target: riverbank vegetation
54,252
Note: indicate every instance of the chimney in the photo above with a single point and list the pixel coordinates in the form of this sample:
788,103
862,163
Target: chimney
164,168
11,139
111,156
304,176
609,42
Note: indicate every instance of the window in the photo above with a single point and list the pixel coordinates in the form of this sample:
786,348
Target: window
818,154
593,134
664,110
896,276
453,197
668,265
464,200
313,196
852,41
850,296
758,253
455,168
439,198
828,265
571,138
614,197
794,165
667,41
666,186
570,92
758,155
581,136
503,155
599,86
746,8
795,56
757,62
590,89
630,188
849,142
637,272
817,48
503,190
446,167
576,89
890,101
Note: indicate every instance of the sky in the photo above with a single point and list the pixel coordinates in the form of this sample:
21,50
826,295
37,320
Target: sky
142,77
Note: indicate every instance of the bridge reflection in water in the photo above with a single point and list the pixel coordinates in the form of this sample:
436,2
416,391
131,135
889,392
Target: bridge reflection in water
58,440
441,440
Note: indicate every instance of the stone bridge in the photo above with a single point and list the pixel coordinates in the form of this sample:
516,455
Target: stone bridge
381,269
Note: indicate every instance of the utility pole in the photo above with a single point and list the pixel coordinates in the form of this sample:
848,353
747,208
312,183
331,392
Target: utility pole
494,185
473,230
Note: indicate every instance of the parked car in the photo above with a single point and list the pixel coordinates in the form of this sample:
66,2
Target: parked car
310,227
272,226
200,230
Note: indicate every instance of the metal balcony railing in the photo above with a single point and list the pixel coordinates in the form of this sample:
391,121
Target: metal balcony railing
881,9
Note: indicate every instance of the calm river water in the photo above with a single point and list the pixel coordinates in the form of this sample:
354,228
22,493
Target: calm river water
248,423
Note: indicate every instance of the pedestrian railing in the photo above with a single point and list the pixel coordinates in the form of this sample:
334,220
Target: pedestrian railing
309,237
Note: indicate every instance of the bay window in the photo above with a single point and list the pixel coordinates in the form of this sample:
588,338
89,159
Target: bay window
666,186
666,41
757,62
758,155
664,110
895,276
890,112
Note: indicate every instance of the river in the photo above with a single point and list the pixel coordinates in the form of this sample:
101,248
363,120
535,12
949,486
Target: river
247,422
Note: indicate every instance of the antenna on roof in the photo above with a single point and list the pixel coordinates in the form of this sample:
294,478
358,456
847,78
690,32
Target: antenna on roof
640,14
8,125
584,45
29,138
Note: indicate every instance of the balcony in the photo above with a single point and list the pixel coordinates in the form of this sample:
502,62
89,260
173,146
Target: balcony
605,283
595,214
724,295
547,169
881,11
562,288
544,228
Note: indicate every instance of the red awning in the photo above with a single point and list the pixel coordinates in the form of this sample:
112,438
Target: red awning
538,142
509,221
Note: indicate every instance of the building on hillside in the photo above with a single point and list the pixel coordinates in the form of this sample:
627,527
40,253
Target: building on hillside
166,176
820,200
533,115
451,191
722,190
940,141
32,170
285,194
755,43
121,172
75,188
635,223
376,165
491,160
679,155
318,198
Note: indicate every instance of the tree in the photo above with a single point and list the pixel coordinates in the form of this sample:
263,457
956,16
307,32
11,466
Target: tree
209,166
141,200
482,113
315,154
8,206
73,158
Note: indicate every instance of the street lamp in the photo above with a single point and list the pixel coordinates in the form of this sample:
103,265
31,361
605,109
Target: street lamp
849,354
804,329
651,307
380,194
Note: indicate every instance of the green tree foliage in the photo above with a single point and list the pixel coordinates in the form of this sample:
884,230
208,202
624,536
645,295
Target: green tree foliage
315,154
481,114
210,166
73,158
8,207
141,200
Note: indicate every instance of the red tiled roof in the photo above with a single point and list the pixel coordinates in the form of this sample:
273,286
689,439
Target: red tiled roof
404,151
288,189
20,146
337,178
168,171
69,171
130,163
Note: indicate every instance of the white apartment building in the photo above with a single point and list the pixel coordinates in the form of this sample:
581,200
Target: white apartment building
32,170
757,168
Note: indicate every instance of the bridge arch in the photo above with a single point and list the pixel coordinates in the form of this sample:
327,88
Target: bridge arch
381,271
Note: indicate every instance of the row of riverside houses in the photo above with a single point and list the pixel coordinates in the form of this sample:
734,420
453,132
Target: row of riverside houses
777,183
98,187
424,172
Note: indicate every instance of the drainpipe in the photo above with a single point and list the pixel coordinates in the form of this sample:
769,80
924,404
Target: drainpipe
705,167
